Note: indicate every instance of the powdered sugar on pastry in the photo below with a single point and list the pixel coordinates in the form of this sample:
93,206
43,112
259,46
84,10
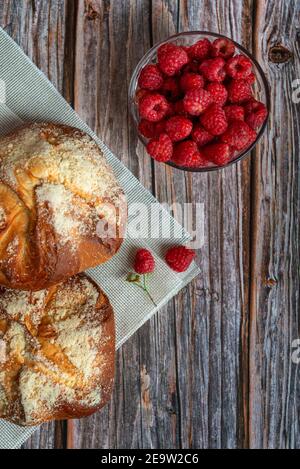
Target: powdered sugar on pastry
56,352
56,185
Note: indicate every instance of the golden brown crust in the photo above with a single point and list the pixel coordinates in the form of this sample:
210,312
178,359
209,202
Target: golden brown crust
58,196
57,349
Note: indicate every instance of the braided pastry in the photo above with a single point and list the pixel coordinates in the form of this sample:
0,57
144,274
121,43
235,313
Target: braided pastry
61,208
57,351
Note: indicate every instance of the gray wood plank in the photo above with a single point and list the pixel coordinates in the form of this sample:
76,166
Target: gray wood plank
275,319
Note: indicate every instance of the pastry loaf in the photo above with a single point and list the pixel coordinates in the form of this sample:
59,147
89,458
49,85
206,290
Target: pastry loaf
61,208
57,350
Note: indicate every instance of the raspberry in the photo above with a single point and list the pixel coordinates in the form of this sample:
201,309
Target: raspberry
213,69
170,88
191,81
200,50
144,262
160,128
178,128
171,58
147,128
218,153
150,78
196,101
218,93
201,136
239,67
184,152
239,135
179,108
214,120
197,160
251,79
256,114
223,48
179,258
234,112
161,148
153,107
191,67
239,91
140,94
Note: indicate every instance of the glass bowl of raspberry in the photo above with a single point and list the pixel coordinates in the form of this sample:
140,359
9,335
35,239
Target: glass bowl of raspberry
200,101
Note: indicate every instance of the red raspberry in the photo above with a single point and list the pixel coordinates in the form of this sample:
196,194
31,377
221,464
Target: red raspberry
251,79
184,152
213,69
197,160
160,128
214,120
150,78
170,88
239,135
140,94
234,112
223,48
144,262
239,91
191,81
179,108
196,101
239,67
178,128
147,128
191,67
200,50
153,107
218,153
218,93
171,58
201,136
161,148
179,258
256,114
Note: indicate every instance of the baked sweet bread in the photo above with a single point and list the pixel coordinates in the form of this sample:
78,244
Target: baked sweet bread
61,208
57,350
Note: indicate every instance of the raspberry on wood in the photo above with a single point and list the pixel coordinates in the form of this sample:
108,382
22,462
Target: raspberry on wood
178,128
218,153
171,58
214,120
179,258
161,148
150,78
239,91
239,67
196,101
153,107
201,136
218,93
223,48
239,135
213,69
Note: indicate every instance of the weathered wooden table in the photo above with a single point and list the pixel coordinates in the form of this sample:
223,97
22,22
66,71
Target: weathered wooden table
214,368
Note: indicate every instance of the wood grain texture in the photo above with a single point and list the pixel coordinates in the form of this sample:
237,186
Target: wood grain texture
213,369
275,319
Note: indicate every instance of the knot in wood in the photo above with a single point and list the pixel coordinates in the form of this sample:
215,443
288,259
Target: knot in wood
279,54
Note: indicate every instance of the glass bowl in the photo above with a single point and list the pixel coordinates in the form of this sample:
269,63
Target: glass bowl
261,89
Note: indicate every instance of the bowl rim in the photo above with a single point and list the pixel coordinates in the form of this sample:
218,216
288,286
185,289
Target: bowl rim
246,152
